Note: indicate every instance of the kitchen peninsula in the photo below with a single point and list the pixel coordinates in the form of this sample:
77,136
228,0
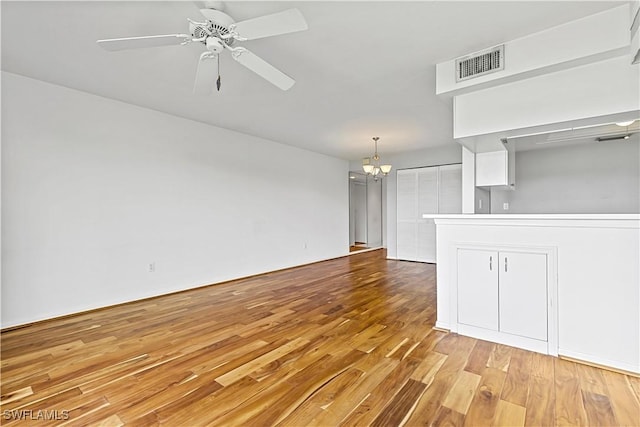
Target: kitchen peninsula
560,284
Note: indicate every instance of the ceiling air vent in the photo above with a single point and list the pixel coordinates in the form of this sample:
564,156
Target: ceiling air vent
480,63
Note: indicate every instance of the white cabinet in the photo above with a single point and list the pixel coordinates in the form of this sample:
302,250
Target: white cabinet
478,288
503,291
522,293
495,168
435,189
592,283
492,168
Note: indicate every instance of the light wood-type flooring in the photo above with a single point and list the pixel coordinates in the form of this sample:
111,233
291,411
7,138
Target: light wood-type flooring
344,342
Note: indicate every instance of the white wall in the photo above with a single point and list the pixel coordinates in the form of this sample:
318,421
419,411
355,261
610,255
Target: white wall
94,190
588,178
474,199
442,155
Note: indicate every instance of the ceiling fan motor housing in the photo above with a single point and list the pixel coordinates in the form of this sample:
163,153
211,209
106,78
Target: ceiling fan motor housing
217,25
214,45
219,21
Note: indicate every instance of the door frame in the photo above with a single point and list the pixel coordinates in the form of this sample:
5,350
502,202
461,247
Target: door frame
367,209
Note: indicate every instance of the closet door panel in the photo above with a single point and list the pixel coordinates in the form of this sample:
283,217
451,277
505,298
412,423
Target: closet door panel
406,231
407,187
407,236
450,189
427,203
427,191
426,241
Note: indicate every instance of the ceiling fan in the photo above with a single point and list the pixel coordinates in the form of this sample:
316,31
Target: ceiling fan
219,32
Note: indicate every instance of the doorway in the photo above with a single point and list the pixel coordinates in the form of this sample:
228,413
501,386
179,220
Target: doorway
365,212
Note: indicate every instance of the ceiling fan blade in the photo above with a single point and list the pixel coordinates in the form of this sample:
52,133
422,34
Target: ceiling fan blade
288,21
141,42
262,68
206,74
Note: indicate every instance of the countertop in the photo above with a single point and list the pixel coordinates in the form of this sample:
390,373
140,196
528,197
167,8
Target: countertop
538,220
535,216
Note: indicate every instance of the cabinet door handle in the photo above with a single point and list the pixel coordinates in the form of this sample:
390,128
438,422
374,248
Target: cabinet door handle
490,263
505,264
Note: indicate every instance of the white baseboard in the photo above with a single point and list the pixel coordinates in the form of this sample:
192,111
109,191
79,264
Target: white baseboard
442,325
589,358
504,338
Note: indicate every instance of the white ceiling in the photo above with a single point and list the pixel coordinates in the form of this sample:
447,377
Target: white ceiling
363,68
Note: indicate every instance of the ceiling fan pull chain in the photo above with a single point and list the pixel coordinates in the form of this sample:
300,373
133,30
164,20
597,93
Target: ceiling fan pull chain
218,84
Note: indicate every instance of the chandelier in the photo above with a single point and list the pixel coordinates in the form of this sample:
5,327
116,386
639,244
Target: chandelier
372,166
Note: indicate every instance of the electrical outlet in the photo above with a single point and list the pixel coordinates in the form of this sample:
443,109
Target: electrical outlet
152,267
505,206
480,204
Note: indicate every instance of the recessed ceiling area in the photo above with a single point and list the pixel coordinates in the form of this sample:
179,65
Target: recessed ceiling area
361,69
600,133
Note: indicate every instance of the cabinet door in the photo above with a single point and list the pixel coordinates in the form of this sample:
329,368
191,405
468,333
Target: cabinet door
523,294
492,168
478,288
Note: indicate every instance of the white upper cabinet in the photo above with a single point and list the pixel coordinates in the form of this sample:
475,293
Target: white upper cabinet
495,168
491,168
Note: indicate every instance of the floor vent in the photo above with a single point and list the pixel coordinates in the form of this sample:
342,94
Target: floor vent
480,63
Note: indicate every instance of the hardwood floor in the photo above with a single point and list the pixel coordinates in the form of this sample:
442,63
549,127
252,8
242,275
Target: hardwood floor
358,247
339,343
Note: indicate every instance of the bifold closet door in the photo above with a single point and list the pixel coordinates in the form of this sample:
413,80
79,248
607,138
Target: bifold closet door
406,205
428,183
428,190
450,189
